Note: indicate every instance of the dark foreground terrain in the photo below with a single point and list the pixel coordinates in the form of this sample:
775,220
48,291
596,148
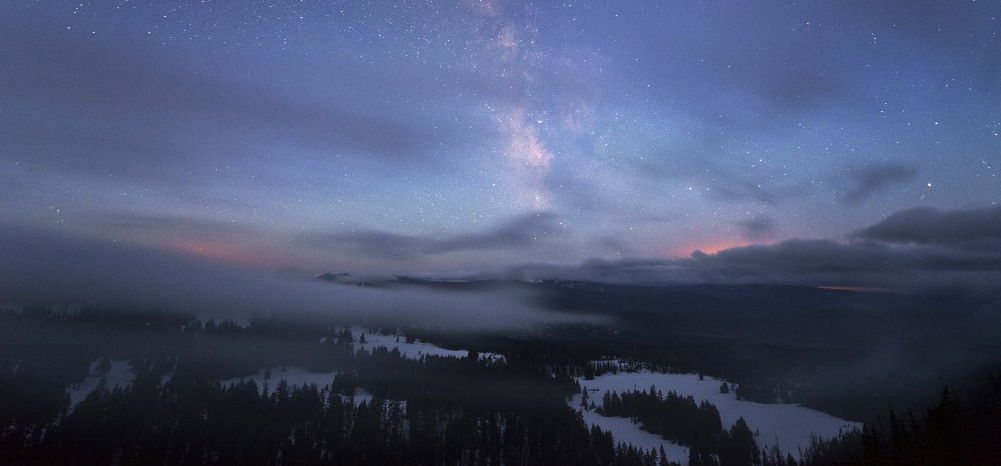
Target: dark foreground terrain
811,346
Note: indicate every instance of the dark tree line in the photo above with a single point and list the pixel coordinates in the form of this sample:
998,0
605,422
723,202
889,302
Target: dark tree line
683,421
955,431
458,411
760,391
450,410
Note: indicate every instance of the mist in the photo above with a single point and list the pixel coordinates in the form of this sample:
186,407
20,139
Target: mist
46,268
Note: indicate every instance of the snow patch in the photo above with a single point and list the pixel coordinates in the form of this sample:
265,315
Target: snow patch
119,375
413,350
625,430
788,426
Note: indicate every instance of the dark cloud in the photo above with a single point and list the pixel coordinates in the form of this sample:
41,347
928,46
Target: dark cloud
866,181
757,227
829,256
517,232
925,225
872,258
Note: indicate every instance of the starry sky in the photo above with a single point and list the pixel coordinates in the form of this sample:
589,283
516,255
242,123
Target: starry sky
437,137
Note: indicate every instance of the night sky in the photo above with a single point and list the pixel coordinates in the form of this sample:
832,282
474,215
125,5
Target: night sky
439,137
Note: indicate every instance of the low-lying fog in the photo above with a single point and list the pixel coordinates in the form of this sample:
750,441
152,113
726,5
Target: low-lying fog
51,269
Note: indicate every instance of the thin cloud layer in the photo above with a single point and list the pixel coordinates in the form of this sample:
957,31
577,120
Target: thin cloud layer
155,113
911,249
402,123
40,267
867,181
757,227
516,232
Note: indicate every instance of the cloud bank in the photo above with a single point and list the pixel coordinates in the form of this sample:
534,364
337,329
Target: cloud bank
914,248
47,268
924,225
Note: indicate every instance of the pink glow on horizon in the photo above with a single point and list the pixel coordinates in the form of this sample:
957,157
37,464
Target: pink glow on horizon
707,248
225,252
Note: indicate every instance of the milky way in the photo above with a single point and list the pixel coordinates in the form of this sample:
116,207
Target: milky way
481,134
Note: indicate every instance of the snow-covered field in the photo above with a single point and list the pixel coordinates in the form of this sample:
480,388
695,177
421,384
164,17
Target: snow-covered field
119,375
789,426
624,430
414,350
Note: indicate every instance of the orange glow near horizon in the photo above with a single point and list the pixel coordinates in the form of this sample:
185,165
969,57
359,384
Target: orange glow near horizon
708,248
221,252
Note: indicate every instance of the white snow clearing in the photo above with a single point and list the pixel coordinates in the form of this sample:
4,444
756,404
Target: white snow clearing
788,426
119,374
625,430
414,350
